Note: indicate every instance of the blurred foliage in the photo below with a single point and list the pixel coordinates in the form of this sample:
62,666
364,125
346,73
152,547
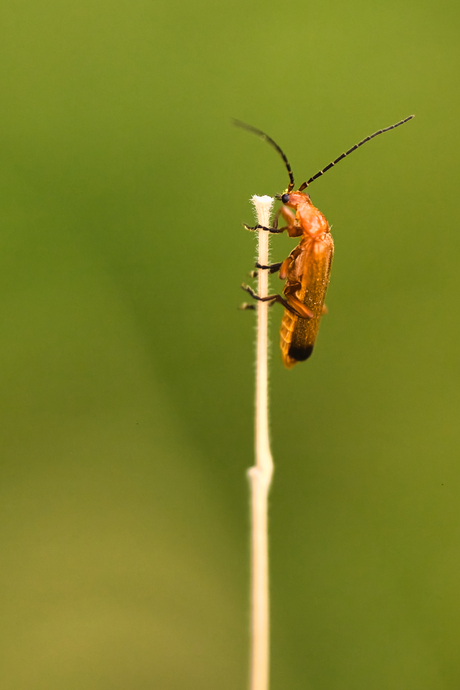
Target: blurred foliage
127,371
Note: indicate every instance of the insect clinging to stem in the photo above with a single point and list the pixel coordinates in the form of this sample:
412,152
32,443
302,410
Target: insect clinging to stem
307,268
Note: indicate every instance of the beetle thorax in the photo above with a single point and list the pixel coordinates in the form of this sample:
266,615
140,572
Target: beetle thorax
310,219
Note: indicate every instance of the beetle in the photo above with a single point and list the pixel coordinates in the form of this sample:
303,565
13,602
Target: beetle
307,269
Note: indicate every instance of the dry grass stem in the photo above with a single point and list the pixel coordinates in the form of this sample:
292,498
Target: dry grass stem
261,474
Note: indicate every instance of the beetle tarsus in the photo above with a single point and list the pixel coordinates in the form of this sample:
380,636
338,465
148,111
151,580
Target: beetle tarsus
277,298
254,295
254,228
273,268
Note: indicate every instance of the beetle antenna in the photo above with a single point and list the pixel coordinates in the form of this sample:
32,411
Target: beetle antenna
262,135
353,148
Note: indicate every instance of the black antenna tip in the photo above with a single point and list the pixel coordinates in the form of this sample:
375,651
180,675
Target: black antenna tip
249,128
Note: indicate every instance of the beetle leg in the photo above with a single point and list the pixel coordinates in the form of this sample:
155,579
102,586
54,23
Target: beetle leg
252,307
262,227
284,268
269,298
292,304
291,288
293,229
288,215
299,308
296,305
273,268
275,219
254,295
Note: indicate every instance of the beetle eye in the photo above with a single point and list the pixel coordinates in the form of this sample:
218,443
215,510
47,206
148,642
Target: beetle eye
285,198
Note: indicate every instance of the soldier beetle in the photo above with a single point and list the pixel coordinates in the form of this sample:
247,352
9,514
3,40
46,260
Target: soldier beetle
308,267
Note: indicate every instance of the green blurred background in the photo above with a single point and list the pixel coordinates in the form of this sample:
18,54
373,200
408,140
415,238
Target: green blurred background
127,370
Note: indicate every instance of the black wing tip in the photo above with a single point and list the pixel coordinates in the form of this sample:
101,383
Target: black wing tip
300,354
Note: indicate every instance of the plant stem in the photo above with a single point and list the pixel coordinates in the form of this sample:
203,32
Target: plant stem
261,474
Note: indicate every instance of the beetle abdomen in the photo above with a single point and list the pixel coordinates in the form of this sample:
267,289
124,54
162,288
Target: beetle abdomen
297,338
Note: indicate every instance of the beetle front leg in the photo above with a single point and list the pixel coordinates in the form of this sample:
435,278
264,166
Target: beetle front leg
289,217
293,230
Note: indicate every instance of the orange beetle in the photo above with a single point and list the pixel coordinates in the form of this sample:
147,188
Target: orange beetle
308,267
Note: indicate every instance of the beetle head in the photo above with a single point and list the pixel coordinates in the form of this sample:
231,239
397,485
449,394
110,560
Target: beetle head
293,199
